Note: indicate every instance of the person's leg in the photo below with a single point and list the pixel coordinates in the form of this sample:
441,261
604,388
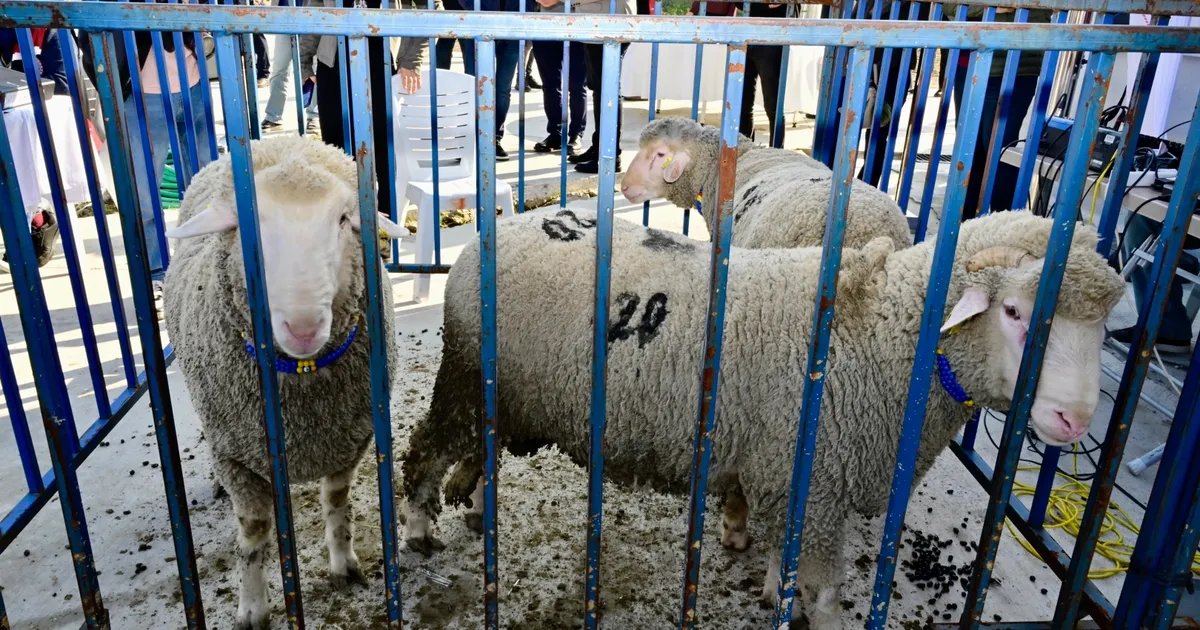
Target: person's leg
887,92
593,57
1005,186
1175,332
467,46
281,76
380,81
577,93
746,124
200,120
262,60
156,127
508,57
549,57
770,61
445,52
983,139
329,100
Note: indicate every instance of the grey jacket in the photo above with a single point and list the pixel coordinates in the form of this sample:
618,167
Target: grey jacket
624,7
407,52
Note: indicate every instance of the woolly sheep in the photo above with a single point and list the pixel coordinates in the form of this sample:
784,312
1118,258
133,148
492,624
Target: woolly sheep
308,212
781,199
545,316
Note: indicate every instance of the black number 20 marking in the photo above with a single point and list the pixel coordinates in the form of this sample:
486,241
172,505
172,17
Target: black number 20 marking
647,329
558,229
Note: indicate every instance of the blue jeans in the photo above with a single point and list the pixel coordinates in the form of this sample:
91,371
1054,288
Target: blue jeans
1006,176
508,56
1175,322
281,76
160,147
549,57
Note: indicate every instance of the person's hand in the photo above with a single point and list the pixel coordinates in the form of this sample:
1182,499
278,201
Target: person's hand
410,80
774,6
548,3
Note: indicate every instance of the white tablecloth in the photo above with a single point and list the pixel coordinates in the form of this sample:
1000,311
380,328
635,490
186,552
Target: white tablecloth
676,73
27,153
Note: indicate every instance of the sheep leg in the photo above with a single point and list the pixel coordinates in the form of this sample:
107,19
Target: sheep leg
733,521
818,587
474,515
339,526
251,497
424,466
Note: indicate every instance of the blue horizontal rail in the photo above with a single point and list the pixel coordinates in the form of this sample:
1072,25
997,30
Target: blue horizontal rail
599,28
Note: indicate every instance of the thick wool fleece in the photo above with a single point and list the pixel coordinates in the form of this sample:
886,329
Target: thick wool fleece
781,198
327,414
659,289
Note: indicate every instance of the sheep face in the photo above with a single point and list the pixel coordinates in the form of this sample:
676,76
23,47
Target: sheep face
659,162
308,220
995,310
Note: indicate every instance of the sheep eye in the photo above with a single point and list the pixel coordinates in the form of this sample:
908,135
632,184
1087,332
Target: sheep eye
344,220
1011,312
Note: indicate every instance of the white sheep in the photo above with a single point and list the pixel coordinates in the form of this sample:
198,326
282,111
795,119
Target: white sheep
546,264
309,218
781,198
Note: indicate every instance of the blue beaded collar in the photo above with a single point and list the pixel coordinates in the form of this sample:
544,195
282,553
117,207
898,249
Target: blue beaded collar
949,381
307,366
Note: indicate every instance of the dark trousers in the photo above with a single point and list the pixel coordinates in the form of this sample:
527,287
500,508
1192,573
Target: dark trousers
262,61
329,103
762,63
593,56
1006,176
508,57
878,143
549,57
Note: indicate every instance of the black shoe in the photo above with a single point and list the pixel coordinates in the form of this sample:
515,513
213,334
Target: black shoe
551,144
591,155
501,154
1166,345
45,237
593,167
531,83
573,146
270,124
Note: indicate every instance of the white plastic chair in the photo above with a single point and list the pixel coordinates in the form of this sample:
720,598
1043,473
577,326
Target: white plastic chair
456,157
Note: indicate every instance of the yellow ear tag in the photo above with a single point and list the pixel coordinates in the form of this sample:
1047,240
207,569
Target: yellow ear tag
670,158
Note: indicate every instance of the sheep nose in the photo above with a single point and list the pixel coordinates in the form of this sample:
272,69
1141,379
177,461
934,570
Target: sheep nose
304,331
1074,424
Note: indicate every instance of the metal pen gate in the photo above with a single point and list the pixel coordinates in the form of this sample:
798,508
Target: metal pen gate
1163,556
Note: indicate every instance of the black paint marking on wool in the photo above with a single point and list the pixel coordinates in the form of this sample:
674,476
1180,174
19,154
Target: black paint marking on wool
557,230
656,314
661,241
583,223
750,199
627,304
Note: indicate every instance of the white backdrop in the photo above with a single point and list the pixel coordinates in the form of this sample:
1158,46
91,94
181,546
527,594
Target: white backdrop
676,73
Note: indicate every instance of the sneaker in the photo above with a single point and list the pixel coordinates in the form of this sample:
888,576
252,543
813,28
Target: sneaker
264,82
501,154
313,125
270,124
156,289
1166,345
593,167
591,155
45,237
551,144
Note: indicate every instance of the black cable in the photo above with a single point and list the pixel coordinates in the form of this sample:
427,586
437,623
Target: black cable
1134,213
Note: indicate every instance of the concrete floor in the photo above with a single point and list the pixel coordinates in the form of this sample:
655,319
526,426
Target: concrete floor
130,533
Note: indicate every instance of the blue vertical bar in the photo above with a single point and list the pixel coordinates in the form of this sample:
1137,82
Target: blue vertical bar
485,125
785,58
139,107
1001,121
433,126
237,131
164,93
832,79
524,46
698,65
939,131
564,107
1175,227
916,118
48,380
1115,196
187,166
102,233
16,415
927,341
1047,473
83,309
108,86
344,86
1176,473
714,331
393,208
251,74
880,98
359,74
818,348
889,151
1087,120
1037,122
653,99
202,64
1185,553
297,80
609,89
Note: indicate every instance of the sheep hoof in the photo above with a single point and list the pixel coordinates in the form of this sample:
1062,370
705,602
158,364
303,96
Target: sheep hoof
474,522
353,577
219,491
425,546
252,623
736,543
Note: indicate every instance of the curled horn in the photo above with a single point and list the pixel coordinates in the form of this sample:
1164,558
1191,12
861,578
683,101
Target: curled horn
1001,256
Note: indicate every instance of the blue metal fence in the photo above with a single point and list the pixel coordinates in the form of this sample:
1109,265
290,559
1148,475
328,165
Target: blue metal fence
1162,560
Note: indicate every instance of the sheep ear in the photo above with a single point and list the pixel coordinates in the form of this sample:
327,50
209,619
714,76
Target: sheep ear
385,224
675,166
210,221
973,302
